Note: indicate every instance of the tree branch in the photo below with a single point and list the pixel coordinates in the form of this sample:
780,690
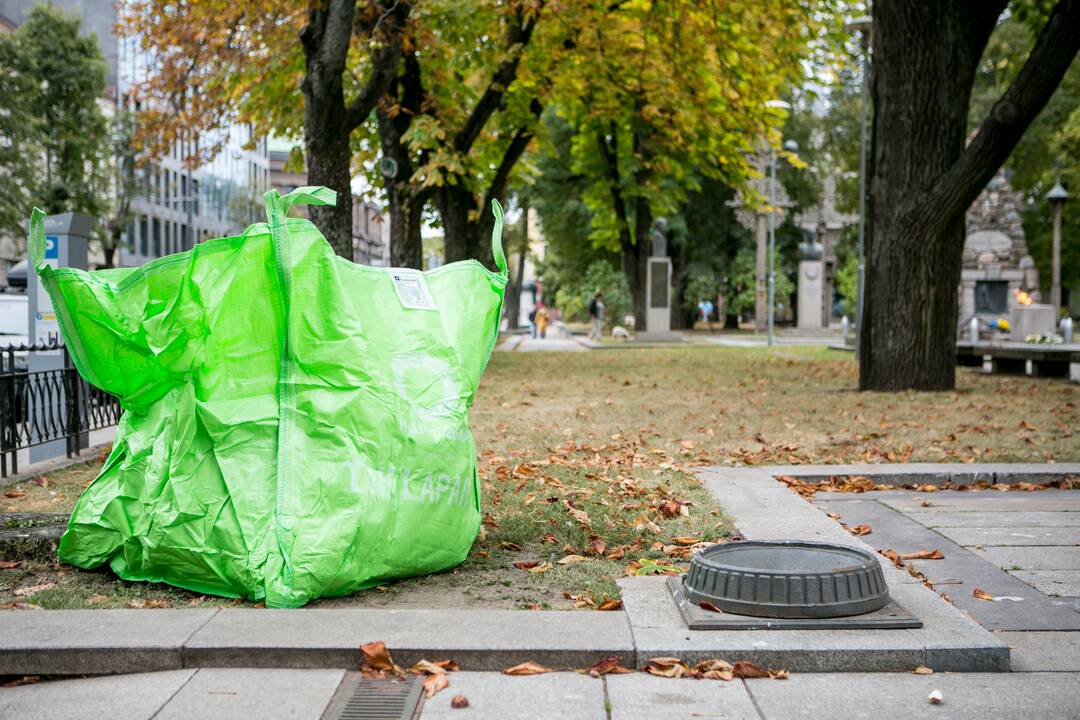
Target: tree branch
518,144
384,63
517,38
1011,115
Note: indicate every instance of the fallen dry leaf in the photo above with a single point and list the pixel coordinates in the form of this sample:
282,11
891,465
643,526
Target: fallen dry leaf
715,670
526,564
23,606
14,494
434,668
923,555
459,701
923,670
607,666
597,545
377,661
541,568
671,667
982,594
9,564
610,604
858,530
705,605
434,684
97,598
686,540
41,481
33,589
747,669
526,668
571,559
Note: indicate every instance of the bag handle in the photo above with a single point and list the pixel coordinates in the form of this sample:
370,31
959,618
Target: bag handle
277,205
35,244
496,237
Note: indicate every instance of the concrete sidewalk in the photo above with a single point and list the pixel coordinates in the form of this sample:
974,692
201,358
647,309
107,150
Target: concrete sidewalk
305,694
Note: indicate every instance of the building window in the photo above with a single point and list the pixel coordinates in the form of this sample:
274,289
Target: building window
184,234
168,237
195,195
143,236
157,238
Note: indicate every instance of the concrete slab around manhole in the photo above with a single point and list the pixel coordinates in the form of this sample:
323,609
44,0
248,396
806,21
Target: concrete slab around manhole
1027,535
494,696
476,639
69,642
1028,609
904,697
1043,651
118,697
1059,583
1032,558
644,697
764,508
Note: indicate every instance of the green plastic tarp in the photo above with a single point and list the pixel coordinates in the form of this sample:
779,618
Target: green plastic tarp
295,425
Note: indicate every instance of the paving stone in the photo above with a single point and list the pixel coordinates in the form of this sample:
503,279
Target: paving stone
1043,651
644,697
119,697
904,696
1016,518
891,529
1061,583
1033,558
214,694
476,639
1050,500
71,642
970,536
493,696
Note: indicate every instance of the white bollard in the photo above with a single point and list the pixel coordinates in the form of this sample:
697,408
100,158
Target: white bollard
1066,329
845,327
973,330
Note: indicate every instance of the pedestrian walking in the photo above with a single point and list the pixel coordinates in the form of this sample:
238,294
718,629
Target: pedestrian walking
542,318
596,313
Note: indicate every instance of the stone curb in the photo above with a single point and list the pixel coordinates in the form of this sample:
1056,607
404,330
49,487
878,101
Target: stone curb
926,473
115,641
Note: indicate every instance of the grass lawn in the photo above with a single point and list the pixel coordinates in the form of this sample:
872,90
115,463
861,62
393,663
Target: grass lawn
585,454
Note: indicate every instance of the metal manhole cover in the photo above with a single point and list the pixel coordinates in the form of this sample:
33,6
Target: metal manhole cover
361,698
787,579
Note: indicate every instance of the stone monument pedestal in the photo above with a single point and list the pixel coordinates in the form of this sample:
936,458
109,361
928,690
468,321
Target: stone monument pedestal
658,301
811,287
1034,319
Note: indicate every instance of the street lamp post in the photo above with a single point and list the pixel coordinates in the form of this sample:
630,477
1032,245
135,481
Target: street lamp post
862,25
1057,197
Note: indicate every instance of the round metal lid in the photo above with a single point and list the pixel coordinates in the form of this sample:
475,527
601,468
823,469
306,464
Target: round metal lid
787,579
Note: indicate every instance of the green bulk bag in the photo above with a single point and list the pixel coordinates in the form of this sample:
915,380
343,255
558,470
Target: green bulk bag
295,425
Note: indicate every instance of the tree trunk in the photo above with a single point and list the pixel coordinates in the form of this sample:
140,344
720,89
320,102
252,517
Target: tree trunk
922,179
637,267
513,294
325,40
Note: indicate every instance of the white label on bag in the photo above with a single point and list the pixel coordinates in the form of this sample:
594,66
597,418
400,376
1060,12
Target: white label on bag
412,289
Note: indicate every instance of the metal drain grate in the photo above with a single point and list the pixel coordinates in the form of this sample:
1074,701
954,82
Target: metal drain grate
359,698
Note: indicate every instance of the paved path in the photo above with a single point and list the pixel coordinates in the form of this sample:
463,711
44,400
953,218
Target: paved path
210,694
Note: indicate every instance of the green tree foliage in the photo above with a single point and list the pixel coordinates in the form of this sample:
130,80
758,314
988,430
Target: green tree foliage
53,135
1050,145
574,294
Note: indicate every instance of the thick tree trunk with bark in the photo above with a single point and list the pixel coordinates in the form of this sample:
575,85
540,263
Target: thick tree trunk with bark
326,40
517,278
923,178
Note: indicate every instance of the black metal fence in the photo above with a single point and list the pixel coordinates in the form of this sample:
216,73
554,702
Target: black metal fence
47,405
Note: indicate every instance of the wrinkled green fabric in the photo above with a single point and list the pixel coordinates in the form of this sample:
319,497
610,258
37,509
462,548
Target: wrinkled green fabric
291,430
